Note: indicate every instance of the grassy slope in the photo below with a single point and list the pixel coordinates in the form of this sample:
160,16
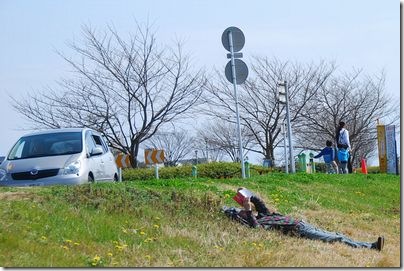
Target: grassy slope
165,223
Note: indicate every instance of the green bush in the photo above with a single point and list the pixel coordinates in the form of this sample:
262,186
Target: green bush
215,170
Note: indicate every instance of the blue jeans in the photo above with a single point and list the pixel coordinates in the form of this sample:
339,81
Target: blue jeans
308,231
343,167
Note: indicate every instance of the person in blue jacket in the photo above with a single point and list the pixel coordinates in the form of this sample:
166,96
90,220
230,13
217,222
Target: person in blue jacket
328,154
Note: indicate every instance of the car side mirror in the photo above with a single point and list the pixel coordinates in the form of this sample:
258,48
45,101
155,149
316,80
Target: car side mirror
96,151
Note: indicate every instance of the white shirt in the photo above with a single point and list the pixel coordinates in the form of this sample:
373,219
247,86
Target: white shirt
344,137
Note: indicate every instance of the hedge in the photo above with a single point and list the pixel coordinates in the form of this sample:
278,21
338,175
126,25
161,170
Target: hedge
215,170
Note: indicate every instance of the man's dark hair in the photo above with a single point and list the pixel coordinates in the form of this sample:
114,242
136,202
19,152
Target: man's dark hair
328,143
341,124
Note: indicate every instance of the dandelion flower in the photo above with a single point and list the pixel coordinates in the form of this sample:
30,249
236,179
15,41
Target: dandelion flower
119,247
142,233
156,226
64,247
76,243
68,241
43,237
148,257
109,254
97,258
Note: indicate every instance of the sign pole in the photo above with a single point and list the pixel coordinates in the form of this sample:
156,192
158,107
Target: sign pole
233,68
292,160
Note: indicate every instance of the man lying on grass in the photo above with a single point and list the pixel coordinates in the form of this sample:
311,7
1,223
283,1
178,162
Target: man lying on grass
271,220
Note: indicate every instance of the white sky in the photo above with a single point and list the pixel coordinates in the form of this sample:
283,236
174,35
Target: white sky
354,33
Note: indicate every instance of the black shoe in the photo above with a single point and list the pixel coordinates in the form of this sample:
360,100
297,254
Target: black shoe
379,244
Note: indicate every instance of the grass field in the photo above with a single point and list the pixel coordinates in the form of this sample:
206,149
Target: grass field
177,223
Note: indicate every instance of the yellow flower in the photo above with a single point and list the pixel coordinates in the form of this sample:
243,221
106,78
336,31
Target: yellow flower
148,257
68,241
110,254
97,258
156,226
158,218
76,244
118,247
142,233
254,244
276,199
43,237
64,247
226,196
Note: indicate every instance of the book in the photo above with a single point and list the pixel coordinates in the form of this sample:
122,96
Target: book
242,195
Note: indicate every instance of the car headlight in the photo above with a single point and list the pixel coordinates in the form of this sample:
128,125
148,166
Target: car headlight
73,168
3,174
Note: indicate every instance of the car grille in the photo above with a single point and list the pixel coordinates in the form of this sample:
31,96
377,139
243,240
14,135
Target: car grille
41,174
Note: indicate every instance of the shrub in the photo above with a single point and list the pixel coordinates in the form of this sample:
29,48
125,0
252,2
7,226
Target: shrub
215,170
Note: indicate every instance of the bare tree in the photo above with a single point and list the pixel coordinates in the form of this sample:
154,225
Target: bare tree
354,98
260,111
222,137
126,89
176,145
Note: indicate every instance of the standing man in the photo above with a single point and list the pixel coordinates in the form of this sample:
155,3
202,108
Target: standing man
343,144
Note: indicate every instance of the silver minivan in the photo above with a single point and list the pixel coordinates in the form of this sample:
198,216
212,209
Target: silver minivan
58,156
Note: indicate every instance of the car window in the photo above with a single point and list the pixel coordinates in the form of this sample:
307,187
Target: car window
104,143
90,144
98,142
50,144
16,152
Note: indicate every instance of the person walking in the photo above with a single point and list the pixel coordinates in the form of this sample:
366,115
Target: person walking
328,154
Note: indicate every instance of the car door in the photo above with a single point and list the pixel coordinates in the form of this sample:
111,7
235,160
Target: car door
109,160
95,162
104,159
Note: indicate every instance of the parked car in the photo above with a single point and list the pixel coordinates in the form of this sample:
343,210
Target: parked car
58,156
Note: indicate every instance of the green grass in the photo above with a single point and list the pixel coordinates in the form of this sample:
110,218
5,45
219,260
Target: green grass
177,223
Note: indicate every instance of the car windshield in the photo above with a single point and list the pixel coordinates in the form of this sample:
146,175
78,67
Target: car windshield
46,145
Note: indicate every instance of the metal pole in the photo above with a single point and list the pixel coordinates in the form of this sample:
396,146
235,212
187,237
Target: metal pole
156,171
233,69
284,148
207,154
292,162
